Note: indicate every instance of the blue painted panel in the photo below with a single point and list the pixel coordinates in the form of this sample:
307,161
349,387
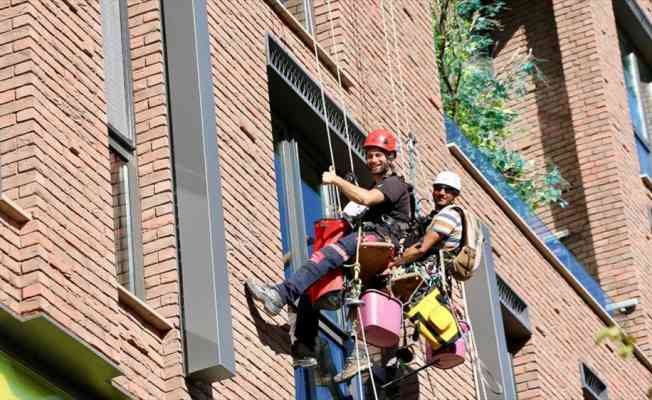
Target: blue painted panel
332,356
644,160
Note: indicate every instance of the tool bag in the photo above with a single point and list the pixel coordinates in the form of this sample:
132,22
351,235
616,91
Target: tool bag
434,321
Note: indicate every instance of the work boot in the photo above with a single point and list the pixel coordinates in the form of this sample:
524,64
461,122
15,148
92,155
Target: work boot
271,298
350,368
302,356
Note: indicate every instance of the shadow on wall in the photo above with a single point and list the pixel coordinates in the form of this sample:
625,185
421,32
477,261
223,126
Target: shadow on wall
277,338
407,389
558,141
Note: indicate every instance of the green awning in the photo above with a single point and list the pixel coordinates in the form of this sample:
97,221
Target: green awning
47,347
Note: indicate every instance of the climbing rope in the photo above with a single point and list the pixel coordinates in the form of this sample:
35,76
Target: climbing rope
326,119
470,343
399,64
366,349
339,83
357,359
354,301
399,126
389,66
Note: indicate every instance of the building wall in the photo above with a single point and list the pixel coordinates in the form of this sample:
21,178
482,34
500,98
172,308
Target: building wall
54,157
578,118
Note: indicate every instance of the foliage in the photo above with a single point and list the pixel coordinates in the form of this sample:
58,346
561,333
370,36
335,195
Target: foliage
625,343
476,97
616,334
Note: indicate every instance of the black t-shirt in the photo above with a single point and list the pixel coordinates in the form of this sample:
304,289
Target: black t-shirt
397,201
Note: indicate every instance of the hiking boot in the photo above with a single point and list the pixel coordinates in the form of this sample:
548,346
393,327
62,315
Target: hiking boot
302,356
271,298
350,368
304,362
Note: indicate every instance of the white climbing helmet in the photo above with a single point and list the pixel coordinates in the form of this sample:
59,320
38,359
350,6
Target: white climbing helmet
448,178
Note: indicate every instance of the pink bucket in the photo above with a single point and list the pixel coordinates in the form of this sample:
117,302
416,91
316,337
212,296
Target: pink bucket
450,355
380,317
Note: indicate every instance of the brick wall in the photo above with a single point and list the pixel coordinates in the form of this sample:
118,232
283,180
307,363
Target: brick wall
579,119
55,164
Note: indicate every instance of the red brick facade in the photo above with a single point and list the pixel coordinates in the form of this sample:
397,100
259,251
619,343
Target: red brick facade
579,119
54,157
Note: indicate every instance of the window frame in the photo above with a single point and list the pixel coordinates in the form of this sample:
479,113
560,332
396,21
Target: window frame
633,28
308,9
288,152
593,388
630,51
121,128
136,271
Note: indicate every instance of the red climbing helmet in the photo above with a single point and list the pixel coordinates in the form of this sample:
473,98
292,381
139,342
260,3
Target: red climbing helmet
382,139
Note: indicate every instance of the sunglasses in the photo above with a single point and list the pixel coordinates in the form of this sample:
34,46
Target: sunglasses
447,189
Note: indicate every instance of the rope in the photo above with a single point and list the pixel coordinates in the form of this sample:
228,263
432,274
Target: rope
339,82
366,349
474,352
357,359
406,120
326,118
391,75
391,72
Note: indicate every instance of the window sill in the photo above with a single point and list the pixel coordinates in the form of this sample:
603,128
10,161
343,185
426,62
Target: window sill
308,40
144,311
13,211
647,181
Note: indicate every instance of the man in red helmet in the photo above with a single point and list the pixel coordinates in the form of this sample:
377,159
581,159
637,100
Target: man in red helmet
389,206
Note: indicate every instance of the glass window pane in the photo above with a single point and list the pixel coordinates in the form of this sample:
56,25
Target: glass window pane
117,66
645,75
121,228
301,10
633,99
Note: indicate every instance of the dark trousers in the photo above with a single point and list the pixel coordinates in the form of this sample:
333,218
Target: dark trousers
320,263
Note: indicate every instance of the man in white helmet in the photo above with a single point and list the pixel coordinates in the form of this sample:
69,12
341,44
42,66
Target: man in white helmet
445,230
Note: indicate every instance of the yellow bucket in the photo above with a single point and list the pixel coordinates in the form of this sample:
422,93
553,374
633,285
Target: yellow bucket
434,321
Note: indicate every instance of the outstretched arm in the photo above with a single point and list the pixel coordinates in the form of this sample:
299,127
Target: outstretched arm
418,250
353,192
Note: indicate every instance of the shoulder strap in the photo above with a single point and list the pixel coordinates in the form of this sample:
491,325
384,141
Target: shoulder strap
413,201
460,210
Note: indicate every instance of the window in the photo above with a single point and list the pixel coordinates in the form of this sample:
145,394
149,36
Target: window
302,11
120,116
300,144
127,239
298,175
638,83
593,388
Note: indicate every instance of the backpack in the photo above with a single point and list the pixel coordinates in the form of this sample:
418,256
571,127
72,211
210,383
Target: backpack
467,258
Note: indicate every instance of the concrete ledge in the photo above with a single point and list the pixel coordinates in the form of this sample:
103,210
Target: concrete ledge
13,211
141,309
308,40
540,245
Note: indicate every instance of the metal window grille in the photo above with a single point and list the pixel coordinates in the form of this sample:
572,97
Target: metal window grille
593,387
516,320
